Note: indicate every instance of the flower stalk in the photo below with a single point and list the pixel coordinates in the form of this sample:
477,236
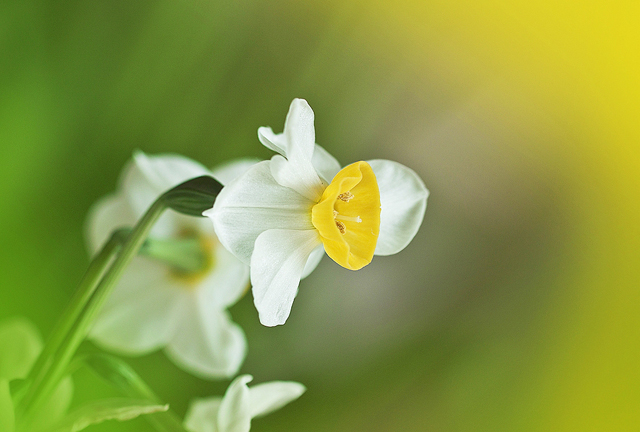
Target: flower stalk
48,377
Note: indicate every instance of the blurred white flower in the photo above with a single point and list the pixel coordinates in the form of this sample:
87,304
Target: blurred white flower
20,345
158,304
233,412
282,214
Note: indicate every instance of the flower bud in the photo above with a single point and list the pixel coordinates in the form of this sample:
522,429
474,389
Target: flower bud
193,196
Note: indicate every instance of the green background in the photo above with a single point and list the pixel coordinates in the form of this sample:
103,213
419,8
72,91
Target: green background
516,307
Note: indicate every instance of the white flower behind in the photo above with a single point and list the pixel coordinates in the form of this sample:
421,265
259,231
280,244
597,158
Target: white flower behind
233,412
283,214
156,305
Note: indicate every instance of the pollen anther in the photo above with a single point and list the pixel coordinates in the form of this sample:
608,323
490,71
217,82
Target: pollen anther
345,196
341,227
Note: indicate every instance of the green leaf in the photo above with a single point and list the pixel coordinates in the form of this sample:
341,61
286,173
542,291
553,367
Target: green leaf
119,374
107,409
193,196
7,420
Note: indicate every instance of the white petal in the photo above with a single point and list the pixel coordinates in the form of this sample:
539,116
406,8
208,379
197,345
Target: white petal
202,415
253,203
142,312
207,343
147,177
235,412
106,215
297,171
7,418
277,264
326,165
298,175
403,197
313,261
299,131
227,282
229,171
272,141
20,345
268,397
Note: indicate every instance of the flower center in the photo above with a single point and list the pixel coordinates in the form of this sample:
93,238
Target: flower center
348,216
190,256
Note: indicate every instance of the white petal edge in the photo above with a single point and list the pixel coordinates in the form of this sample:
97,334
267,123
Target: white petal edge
252,204
20,345
272,141
207,343
403,197
202,415
271,396
227,172
235,413
277,263
142,313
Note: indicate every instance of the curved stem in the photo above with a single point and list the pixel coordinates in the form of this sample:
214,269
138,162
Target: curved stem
87,287
47,377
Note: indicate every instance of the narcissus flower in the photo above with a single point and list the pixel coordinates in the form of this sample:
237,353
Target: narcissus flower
175,296
283,214
233,412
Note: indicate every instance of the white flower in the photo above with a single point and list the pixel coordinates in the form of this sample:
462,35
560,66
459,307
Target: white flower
233,412
20,345
282,214
156,304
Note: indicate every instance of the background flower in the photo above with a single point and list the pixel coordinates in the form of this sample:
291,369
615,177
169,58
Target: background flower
240,404
155,304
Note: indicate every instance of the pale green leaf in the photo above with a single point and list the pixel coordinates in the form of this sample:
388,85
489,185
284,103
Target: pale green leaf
103,410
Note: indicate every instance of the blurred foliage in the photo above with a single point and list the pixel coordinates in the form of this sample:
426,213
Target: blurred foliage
516,307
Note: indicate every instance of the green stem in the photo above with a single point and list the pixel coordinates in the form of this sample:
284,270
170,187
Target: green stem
87,287
45,382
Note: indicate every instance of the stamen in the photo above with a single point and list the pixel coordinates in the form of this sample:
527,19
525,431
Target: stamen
341,227
345,196
347,218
